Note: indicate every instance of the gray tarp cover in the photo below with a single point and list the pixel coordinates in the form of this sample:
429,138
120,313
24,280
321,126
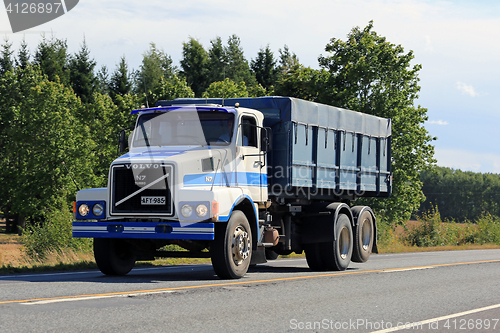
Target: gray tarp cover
277,109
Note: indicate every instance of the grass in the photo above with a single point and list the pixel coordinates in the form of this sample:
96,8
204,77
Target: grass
13,258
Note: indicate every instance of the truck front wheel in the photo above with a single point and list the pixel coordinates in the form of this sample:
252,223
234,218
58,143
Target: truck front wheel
231,250
113,256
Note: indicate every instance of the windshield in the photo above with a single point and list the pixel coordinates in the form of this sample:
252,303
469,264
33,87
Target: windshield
178,128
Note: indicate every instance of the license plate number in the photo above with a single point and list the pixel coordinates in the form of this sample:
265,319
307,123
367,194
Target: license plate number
153,200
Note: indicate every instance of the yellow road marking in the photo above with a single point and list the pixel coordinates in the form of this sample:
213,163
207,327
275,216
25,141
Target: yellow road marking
243,282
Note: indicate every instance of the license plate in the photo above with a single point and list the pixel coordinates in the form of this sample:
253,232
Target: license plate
153,200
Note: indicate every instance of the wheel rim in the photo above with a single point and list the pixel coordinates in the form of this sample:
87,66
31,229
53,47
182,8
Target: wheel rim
241,245
366,234
344,243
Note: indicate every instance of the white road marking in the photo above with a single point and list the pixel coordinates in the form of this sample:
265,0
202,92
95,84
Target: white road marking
406,269
93,272
429,321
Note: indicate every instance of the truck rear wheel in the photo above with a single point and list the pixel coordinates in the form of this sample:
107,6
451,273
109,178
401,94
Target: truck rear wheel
337,255
113,256
364,235
231,250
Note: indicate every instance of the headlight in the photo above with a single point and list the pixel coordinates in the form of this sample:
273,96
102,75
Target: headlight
83,210
201,210
97,210
186,210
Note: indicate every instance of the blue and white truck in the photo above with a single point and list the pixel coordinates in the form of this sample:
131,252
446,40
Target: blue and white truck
240,181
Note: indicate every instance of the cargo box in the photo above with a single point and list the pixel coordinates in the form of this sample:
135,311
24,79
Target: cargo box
319,151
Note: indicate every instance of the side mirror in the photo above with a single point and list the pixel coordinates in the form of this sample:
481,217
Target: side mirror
122,141
265,139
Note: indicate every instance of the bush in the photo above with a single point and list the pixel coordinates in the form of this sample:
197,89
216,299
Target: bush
386,235
432,231
428,232
488,229
53,235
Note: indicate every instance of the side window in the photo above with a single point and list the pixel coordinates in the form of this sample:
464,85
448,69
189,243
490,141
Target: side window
249,132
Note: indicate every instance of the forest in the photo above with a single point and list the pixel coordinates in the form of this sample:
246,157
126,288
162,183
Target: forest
60,113
461,196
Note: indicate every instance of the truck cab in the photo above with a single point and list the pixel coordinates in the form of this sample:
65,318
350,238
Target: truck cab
187,169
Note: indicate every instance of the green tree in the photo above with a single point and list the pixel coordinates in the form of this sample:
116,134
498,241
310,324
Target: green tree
461,195
217,61
81,74
23,56
264,68
302,82
287,61
172,89
194,65
41,131
120,82
51,56
6,63
226,89
237,68
371,75
103,80
155,65
8,99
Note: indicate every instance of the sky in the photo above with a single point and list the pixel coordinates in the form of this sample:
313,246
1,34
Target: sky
457,42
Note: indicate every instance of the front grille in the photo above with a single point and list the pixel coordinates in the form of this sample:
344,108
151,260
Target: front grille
128,179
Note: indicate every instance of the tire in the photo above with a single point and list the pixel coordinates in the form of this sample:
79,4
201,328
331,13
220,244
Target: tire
231,250
336,255
113,256
313,257
271,255
364,236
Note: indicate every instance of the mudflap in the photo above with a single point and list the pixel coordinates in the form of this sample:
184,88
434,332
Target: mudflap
258,256
319,229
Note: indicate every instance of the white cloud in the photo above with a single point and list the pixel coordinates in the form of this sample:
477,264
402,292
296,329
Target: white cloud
437,122
466,89
468,160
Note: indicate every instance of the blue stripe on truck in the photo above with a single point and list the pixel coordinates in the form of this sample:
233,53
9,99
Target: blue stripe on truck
144,230
226,179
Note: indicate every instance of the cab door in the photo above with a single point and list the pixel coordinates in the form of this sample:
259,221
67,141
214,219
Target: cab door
251,170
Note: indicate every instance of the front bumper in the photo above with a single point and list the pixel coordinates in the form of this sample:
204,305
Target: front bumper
144,230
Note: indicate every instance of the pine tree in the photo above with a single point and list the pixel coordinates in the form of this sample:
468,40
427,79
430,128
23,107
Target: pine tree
238,69
23,56
51,55
6,63
102,77
288,60
217,61
264,68
120,83
82,77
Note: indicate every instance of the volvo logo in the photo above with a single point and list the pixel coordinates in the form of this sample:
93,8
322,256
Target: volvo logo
143,166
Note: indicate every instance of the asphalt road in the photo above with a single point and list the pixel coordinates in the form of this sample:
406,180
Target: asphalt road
426,292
